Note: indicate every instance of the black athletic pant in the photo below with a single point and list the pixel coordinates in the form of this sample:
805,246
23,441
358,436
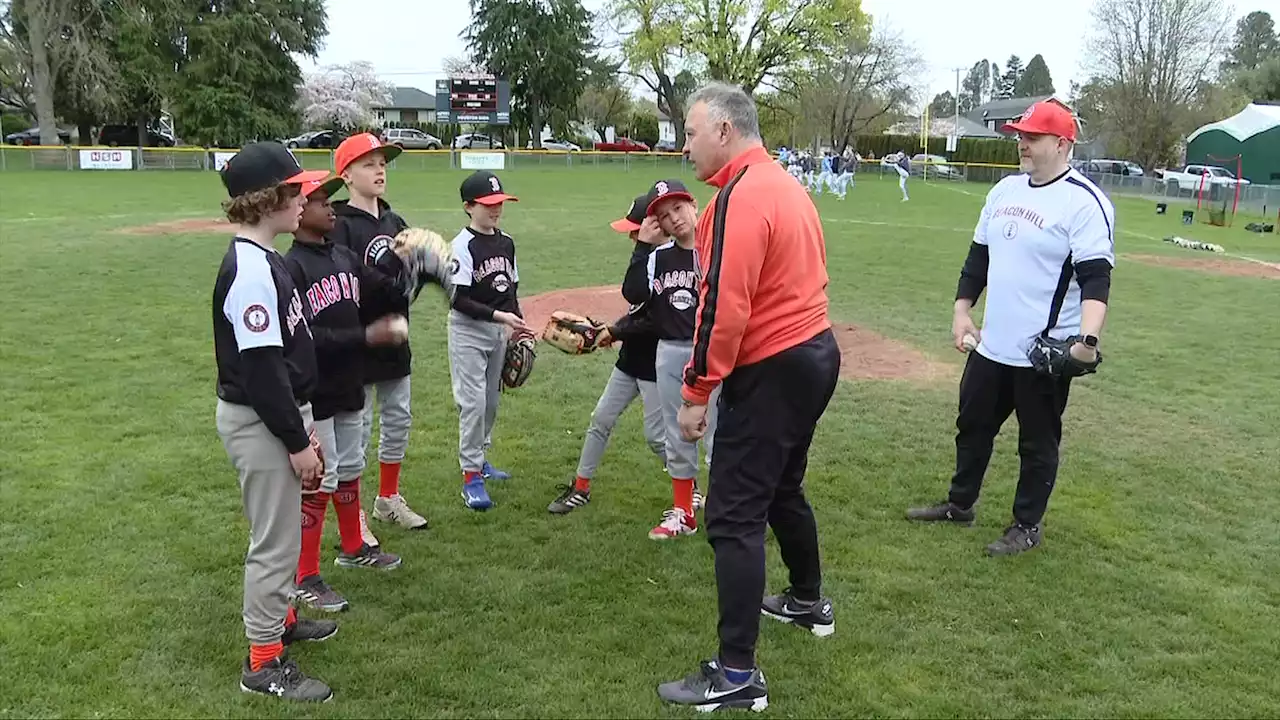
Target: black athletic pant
989,392
768,412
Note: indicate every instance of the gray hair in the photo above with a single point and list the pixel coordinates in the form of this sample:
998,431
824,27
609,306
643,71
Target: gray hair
729,103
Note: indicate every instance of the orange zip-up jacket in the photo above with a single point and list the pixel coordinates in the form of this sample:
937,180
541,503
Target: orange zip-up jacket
764,271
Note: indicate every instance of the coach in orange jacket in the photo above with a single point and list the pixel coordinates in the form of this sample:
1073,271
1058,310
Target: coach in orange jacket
762,336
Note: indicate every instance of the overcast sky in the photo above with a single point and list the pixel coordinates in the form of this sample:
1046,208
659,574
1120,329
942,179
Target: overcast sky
406,40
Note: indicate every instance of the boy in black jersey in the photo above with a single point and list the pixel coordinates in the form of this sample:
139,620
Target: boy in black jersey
335,283
669,283
484,312
633,374
366,224
266,377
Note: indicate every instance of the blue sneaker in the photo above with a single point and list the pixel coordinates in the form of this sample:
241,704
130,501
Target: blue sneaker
475,496
490,472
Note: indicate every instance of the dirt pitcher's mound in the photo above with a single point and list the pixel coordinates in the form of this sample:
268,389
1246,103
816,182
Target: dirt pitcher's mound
1214,264
180,227
864,355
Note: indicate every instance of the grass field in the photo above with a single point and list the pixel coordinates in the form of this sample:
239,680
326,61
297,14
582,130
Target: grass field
1154,595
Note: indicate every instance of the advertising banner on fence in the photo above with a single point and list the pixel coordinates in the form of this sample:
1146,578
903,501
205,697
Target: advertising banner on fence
483,161
220,159
106,159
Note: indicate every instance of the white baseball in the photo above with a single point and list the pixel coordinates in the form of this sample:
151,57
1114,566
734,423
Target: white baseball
969,341
400,326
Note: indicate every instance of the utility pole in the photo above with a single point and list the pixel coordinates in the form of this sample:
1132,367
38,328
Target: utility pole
955,129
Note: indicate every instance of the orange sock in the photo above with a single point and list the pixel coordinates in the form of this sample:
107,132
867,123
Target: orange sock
583,484
388,479
260,655
682,491
291,617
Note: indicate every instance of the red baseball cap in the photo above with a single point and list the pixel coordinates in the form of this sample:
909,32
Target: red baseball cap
1047,117
329,186
357,146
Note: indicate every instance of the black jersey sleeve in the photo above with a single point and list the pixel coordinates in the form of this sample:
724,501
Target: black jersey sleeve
267,386
635,284
633,325
465,303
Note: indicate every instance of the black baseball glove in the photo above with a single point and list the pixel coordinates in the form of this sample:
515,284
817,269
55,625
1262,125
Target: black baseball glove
1053,358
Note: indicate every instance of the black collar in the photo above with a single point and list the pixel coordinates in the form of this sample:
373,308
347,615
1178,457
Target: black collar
1064,173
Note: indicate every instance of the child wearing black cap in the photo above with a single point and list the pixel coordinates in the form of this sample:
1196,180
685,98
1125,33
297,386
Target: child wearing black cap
485,311
669,282
633,374
266,376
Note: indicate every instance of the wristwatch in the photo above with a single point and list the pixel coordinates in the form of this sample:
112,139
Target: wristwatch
1091,340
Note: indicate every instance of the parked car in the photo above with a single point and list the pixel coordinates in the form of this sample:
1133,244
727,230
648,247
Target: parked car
317,140
666,146
556,144
1192,177
1107,166
116,135
31,136
411,139
622,144
934,165
477,141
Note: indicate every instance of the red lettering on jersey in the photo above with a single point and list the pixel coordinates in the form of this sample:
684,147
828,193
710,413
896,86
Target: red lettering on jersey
346,285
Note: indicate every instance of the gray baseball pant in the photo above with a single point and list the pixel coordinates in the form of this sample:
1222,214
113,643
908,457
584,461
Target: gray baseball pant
477,350
618,394
394,416
682,456
272,496
342,441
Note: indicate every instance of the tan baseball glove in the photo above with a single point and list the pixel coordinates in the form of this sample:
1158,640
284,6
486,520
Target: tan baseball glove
574,334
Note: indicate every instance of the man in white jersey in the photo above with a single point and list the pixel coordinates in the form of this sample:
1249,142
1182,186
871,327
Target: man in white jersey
1043,249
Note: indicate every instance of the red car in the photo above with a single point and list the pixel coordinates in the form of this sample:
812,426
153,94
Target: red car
622,144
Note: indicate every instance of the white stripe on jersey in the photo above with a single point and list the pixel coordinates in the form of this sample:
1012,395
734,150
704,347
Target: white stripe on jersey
1035,236
253,305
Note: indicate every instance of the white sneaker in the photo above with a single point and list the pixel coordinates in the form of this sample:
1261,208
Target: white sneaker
699,500
395,509
366,535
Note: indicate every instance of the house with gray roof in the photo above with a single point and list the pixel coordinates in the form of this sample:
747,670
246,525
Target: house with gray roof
996,113
408,106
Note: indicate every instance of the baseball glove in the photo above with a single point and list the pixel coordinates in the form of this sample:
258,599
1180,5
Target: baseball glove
1053,358
427,258
572,333
519,358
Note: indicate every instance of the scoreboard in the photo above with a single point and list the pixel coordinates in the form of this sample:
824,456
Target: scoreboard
478,99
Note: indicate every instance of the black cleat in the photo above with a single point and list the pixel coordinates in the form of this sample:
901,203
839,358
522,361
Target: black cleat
316,594
942,512
569,500
281,678
309,630
1018,538
814,616
708,689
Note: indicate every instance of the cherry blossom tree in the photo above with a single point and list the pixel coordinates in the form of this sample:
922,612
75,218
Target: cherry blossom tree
342,96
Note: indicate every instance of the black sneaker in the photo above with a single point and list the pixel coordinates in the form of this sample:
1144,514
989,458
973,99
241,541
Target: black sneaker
316,594
1017,538
369,557
708,689
571,498
309,631
281,678
942,512
814,616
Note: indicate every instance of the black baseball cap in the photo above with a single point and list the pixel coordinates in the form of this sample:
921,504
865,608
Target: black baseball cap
666,190
263,165
634,216
484,187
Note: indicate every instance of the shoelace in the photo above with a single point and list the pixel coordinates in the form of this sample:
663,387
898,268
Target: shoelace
673,518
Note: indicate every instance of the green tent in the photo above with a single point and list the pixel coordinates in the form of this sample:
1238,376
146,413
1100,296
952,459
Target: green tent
1252,133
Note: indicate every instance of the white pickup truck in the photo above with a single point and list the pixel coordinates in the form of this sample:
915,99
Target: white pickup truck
1192,176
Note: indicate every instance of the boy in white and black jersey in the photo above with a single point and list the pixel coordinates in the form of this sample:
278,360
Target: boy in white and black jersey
267,375
668,283
1043,249
485,311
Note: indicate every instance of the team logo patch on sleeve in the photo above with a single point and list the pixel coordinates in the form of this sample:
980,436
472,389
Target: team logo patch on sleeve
256,318
378,247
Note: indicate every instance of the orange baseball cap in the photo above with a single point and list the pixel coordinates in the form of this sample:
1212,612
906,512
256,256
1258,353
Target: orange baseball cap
329,186
357,146
1047,117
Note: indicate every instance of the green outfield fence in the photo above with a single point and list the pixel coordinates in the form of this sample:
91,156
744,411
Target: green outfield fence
1262,200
